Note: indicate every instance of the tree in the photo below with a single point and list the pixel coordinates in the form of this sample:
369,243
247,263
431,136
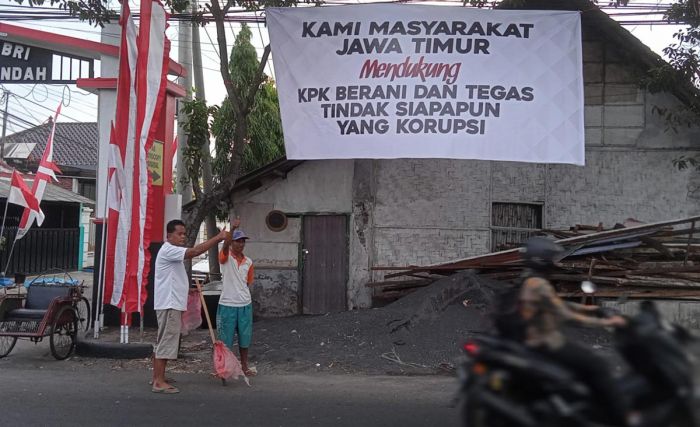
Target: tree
681,70
264,141
242,99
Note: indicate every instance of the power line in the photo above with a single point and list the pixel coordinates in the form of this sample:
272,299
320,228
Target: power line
72,98
28,112
44,107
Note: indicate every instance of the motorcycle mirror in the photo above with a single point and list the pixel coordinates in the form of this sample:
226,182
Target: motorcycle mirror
588,287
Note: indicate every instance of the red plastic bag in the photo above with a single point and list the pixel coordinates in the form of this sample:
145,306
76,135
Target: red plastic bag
192,318
226,364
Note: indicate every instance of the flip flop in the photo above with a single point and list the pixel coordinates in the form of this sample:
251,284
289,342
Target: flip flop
166,390
167,380
250,372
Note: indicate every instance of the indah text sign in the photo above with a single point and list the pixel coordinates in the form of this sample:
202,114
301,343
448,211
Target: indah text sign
21,63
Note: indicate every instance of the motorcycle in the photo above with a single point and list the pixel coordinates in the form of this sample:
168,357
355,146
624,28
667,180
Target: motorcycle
505,384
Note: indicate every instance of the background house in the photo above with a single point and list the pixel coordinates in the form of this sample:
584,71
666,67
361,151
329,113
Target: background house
68,204
60,242
319,228
75,153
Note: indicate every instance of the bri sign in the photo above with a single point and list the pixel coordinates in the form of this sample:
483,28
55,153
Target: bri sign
30,64
429,82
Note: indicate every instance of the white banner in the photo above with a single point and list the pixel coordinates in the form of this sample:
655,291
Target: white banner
429,82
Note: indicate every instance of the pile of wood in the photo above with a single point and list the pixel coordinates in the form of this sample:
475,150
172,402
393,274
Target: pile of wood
636,260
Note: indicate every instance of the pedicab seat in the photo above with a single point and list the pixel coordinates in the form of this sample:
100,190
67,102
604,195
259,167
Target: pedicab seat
39,298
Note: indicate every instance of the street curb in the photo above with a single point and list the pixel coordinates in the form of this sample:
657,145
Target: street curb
91,348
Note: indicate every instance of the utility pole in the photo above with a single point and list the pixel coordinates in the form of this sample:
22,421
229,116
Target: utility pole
6,94
207,176
184,56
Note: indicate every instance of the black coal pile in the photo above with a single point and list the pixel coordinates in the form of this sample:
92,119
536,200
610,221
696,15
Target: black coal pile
420,334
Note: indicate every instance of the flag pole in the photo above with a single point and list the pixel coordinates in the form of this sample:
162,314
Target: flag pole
99,315
2,228
9,257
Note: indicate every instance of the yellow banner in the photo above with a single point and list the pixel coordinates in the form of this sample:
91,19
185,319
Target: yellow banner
155,162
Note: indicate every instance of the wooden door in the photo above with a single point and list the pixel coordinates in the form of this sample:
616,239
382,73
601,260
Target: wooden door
325,264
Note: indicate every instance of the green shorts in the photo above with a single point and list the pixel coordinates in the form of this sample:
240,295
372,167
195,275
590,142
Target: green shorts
232,320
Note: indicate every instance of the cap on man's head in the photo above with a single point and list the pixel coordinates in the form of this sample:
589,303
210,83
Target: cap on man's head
238,235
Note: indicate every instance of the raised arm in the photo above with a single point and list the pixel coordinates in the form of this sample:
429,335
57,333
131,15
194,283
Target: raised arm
565,311
223,255
205,246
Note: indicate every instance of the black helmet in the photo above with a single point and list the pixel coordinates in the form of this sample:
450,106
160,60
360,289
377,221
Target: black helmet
540,253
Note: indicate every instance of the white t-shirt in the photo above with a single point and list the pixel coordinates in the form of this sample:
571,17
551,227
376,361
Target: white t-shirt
235,291
170,284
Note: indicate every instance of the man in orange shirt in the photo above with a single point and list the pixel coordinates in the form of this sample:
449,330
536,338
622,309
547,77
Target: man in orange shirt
235,312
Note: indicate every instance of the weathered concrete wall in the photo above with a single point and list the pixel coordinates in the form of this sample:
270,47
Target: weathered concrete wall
275,293
267,248
312,187
361,235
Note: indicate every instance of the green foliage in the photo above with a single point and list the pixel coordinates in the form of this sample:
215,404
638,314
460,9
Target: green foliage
263,130
93,11
197,128
682,70
676,117
243,62
97,12
683,66
264,141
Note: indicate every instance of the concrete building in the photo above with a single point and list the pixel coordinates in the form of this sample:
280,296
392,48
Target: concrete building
342,218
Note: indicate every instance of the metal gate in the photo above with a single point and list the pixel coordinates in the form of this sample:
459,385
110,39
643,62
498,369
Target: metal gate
41,249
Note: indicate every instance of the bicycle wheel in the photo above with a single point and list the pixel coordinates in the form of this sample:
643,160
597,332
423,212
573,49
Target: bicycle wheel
63,332
6,345
82,307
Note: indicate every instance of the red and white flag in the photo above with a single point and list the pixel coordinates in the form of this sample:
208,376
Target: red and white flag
21,195
44,174
140,94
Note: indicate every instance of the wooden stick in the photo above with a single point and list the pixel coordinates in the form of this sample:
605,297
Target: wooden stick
206,311
690,238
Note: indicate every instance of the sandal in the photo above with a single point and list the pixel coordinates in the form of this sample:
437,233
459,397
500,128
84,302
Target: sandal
165,390
167,380
250,372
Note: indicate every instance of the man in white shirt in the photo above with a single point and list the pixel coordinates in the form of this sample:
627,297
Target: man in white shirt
171,286
235,312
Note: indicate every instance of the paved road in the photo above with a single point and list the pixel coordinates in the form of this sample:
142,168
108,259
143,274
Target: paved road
36,390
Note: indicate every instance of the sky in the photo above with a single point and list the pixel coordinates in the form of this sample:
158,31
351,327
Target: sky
35,103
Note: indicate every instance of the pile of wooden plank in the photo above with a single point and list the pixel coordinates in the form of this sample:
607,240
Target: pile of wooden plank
636,260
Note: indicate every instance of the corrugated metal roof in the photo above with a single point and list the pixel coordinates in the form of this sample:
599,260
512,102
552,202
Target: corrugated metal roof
53,193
